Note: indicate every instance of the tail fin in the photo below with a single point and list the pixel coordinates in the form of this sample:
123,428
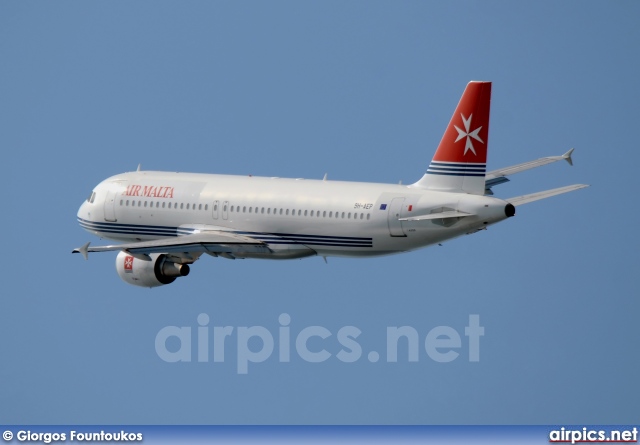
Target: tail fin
460,162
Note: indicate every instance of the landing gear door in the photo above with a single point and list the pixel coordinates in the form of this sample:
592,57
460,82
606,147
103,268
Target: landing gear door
395,209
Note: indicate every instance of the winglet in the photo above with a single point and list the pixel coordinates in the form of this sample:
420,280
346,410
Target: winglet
84,250
567,156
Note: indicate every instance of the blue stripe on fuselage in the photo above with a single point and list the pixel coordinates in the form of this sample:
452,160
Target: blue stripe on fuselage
269,238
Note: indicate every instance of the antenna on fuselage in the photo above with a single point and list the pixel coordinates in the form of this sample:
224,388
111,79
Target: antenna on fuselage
139,166
325,177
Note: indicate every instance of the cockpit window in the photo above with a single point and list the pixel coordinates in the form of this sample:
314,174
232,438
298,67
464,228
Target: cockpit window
91,197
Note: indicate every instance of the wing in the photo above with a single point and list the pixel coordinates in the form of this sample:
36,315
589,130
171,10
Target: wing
499,176
525,199
213,242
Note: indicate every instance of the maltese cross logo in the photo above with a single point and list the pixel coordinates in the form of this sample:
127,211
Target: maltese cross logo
469,135
128,264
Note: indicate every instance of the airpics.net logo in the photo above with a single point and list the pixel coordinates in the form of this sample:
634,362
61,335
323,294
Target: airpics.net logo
205,343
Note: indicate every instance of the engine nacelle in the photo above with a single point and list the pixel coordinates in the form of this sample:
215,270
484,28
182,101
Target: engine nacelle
154,272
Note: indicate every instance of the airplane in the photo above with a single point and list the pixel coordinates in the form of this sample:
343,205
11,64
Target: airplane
167,221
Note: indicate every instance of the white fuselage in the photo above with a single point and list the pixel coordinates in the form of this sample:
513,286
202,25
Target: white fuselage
295,217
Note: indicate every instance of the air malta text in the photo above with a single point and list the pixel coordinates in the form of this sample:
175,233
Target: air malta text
149,191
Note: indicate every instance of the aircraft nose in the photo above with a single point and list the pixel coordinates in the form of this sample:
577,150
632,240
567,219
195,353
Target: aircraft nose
84,212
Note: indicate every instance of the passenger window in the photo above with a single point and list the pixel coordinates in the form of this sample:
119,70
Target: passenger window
262,210
199,206
163,204
311,213
281,211
187,206
368,215
324,214
181,205
206,206
127,203
244,209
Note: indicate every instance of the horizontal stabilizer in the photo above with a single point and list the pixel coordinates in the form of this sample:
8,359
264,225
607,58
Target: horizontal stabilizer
439,215
525,199
528,165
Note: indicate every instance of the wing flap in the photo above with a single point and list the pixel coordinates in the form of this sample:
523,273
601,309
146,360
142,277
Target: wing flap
525,199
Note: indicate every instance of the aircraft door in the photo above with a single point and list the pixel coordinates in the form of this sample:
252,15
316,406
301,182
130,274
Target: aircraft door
395,209
110,206
215,206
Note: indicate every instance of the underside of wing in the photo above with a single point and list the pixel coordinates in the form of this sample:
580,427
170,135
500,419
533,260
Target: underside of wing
213,242
525,199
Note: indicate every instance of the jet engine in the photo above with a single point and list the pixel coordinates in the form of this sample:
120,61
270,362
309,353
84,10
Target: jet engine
156,270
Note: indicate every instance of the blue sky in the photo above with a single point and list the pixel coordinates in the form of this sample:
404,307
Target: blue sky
362,91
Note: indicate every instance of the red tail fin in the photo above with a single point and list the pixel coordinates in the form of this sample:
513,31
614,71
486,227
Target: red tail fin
459,164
